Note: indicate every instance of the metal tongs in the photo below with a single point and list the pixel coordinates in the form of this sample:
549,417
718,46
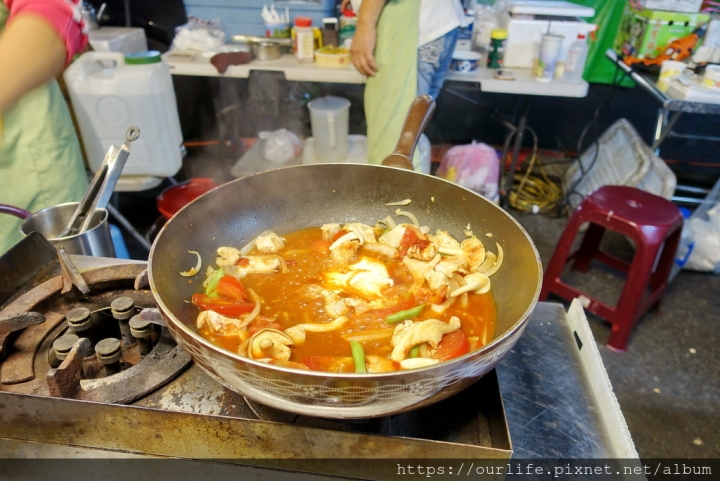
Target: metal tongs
101,188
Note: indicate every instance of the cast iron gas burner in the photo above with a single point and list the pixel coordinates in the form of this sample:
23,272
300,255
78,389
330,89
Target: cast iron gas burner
107,344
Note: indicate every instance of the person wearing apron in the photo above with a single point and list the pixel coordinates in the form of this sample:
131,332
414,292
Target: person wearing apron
405,48
40,159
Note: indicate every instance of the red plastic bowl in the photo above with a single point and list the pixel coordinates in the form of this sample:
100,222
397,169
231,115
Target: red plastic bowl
178,196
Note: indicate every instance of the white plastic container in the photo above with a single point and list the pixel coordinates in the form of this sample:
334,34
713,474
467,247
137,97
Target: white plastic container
525,36
575,62
329,120
111,91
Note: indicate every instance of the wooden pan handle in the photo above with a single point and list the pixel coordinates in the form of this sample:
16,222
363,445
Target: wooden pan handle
418,116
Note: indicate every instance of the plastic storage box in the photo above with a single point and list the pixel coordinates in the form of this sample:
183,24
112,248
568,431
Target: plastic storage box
645,32
242,17
623,159
689,6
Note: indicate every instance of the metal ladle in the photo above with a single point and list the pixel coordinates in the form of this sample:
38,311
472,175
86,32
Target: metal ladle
101,187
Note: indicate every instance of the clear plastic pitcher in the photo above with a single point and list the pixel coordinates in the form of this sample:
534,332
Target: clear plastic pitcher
329,118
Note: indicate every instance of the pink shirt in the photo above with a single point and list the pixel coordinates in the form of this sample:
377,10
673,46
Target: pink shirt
63,15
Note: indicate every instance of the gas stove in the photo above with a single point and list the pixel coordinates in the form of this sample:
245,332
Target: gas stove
87,363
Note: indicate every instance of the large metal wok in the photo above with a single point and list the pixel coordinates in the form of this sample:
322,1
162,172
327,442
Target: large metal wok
293,198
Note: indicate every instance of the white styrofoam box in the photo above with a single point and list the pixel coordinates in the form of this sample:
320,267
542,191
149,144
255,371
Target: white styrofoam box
118,39
549,7
524,36
687,6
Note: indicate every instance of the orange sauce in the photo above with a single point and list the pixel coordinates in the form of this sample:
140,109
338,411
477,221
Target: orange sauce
284,299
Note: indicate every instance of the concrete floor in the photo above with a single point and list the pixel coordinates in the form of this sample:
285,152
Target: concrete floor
667,382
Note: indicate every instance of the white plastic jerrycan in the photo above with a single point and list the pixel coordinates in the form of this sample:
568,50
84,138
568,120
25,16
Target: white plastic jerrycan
110,91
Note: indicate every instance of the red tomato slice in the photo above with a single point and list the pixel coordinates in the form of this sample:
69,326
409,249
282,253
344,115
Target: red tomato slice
452,345
259,324
411,238
340,233
322,247
404,304
437,296
231,288
222,306
330,363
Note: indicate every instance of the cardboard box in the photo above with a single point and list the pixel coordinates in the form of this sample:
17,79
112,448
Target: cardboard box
644,33
688,6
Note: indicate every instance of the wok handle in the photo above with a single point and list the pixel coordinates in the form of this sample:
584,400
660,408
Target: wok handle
418,116
16,211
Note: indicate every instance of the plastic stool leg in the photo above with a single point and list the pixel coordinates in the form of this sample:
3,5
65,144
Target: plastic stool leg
589,246
627,310
559,257
666,261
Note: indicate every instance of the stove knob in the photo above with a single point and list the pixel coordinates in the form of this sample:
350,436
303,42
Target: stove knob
108,352
79,321
142,330
123,308
60,349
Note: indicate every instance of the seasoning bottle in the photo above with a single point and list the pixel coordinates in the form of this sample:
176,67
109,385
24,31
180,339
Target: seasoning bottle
496,50
348,24
303,39
575,61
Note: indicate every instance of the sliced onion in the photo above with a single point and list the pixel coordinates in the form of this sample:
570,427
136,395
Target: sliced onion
194,270
371,335
402,202
390,222
449,251
498,262
350,236
250,317
409,215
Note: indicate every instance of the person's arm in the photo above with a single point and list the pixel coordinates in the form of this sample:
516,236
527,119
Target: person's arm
40,37
31,53
362,50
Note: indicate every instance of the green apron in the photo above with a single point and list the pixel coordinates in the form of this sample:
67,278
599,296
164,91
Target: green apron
40,160
390,92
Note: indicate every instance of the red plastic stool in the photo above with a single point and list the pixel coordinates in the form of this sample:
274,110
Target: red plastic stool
653,224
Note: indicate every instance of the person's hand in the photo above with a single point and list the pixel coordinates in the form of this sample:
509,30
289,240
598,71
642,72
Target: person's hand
362,50
344,5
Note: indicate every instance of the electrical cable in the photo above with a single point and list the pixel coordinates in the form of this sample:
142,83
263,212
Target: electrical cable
571,190
534,194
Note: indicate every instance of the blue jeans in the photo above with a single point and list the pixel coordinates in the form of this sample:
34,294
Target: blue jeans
431,75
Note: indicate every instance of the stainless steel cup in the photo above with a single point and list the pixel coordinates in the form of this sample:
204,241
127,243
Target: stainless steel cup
96,241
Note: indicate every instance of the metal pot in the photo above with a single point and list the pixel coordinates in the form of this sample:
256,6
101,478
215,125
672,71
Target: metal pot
95,241
293,198
266,50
